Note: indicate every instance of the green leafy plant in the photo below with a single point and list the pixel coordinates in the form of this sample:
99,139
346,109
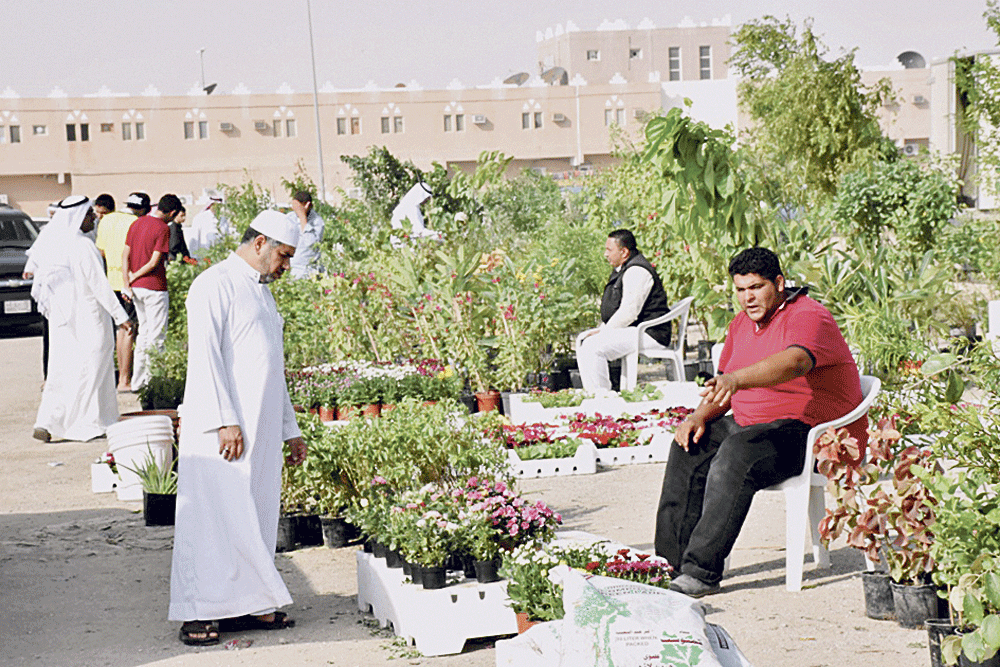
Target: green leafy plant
154,477
642,392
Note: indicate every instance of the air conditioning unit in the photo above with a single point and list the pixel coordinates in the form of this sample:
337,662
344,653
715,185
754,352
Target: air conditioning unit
479,119
911,149
227,127
558,118
639,114
261,125
919,99
4,200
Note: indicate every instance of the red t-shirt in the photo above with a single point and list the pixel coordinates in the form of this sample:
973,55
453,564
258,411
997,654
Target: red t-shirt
829,391
147,235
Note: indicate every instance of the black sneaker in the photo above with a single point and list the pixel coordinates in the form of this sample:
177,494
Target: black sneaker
41,434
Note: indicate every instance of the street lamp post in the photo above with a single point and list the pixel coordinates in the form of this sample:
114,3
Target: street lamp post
319,138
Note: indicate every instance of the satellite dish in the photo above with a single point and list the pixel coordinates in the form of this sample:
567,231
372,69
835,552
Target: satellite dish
557,76
400,85
911,60
210,87
517,79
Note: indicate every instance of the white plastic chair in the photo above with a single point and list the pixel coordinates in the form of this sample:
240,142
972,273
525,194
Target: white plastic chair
805,494
674,354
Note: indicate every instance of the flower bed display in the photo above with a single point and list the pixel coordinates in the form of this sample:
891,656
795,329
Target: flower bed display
524,409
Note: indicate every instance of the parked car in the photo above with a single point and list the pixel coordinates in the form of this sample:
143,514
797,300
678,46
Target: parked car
17,233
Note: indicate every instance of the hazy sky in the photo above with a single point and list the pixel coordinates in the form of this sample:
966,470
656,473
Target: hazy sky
128,45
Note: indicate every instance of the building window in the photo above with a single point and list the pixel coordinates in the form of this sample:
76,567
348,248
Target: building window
620,116
397,124
15,134
674,63
3,135
526,121
355,126
609,117
70,132
385,125
140,131
341,126
276,128
447,123
635,54
127,131
84,131
188,129
203,129
37,130
538,119
460,122
290,130
616,116
705,61
107,127
593,54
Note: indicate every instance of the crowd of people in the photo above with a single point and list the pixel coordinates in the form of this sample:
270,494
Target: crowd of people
93,265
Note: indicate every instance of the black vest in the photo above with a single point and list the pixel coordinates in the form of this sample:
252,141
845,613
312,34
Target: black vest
656,303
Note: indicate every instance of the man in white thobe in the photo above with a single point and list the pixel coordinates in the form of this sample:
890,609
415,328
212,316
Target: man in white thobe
235,416
73,292
633,294
206,227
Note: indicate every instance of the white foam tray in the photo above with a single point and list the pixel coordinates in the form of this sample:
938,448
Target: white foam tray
656,450
438,621
584,462
675,394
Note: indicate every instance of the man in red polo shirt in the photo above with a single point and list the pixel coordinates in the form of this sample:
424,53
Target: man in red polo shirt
785,368
144,273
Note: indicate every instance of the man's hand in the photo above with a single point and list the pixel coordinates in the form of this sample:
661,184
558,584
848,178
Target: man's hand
298,452
231,442
126,326
688,431
720,389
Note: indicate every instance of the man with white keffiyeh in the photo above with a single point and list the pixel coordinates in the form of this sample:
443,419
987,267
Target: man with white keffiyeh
73,292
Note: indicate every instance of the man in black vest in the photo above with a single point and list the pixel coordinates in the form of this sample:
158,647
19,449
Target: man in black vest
634,294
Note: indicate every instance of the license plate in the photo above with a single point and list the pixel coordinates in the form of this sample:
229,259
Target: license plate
17,307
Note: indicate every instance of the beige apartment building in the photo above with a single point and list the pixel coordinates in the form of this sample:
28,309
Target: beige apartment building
557,120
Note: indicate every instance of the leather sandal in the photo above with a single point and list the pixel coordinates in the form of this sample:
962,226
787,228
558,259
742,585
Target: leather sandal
209,630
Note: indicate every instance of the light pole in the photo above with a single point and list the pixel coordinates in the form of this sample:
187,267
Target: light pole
201,56
319,138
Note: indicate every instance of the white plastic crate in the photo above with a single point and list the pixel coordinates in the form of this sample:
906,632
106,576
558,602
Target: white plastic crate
438,621
584,462
656,450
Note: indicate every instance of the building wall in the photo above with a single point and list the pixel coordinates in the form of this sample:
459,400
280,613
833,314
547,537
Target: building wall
907,119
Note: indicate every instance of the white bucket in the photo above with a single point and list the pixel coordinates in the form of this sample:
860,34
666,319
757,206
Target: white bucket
131,441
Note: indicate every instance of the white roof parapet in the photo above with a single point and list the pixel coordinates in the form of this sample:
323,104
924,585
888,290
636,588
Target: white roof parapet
284,89
496,83
535,82
455,84
725,22
687,22
646,24
559,29
195,90
617,79
371,86
549,33
328,87
571,27
577,80
413,85
617,24
539,36
241,89
150,91
9,94
57,92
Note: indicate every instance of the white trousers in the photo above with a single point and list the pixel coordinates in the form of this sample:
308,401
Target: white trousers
151,309
596,351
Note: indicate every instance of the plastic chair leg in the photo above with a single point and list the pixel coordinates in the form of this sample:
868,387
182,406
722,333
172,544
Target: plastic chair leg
796,514
817,510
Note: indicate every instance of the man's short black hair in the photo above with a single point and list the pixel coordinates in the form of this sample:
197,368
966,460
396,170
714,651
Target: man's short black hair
303,197
760,261
625,239
105,201
169,203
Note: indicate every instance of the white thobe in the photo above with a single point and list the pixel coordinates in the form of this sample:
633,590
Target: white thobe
79,401
227,511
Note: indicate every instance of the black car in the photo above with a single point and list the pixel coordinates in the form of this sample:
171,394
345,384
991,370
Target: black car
17,233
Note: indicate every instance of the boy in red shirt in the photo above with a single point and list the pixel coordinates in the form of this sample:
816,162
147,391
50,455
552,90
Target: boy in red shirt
785,368
144,273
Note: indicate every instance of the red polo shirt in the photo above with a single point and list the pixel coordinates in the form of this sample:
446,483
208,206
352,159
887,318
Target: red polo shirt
829,391
146,235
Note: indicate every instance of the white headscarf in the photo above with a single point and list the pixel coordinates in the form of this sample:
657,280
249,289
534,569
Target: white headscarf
50,257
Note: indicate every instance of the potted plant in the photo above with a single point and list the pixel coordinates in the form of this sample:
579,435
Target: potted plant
966,551
159,490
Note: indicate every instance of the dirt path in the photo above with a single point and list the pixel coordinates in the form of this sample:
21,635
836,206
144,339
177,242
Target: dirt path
84,582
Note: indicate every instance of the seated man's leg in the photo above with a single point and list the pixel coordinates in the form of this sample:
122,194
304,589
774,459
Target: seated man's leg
747,460
594,353
684,489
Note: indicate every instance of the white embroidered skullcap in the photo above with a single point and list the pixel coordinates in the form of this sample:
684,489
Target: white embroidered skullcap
277,226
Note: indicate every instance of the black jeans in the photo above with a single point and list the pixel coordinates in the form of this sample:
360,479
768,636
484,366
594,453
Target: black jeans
707,491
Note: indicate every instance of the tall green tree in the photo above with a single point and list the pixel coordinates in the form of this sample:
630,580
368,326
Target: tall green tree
813,118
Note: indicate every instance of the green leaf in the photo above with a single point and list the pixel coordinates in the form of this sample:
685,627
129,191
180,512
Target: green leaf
951,648
973,608
991,584
973,646
955,388
990,630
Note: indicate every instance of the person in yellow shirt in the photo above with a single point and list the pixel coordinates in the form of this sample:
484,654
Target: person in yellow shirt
111,231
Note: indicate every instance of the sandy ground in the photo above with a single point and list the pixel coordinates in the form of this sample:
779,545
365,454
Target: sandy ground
84,582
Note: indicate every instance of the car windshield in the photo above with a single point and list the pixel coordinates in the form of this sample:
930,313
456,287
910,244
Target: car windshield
16,229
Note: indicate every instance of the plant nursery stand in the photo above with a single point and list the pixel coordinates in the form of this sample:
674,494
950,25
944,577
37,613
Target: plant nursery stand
584,462
438,621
